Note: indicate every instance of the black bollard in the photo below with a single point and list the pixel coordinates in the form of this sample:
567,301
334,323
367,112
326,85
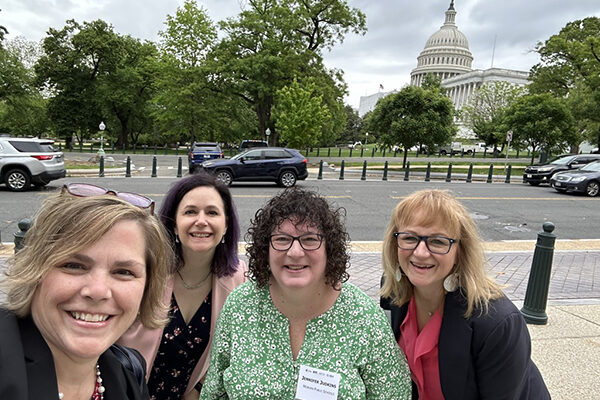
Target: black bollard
373,152
428,172
449,174
536,296
490,174
507,180
101,170
350,152
153,167
470,173
179,167
362,152
385,171
342,170
24,226
340,152
320,176
128,168
407,171
318,151
329,152
363,177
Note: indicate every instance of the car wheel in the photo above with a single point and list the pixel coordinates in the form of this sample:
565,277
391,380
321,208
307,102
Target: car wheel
443,152
287,179
224,177
592,189
17,180
534,183
469,152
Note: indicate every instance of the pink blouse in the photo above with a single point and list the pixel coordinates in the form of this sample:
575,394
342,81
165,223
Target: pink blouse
421,350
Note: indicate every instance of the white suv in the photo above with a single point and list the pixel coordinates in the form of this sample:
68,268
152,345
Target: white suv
24,162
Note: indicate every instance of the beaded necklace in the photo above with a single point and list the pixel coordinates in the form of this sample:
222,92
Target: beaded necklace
99,389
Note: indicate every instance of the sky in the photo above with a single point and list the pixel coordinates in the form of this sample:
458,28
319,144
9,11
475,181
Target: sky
385,55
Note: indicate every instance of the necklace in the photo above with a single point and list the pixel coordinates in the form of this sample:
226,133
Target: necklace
99,389
195,286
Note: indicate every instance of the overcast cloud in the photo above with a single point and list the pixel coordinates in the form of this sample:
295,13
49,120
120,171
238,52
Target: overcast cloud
397,30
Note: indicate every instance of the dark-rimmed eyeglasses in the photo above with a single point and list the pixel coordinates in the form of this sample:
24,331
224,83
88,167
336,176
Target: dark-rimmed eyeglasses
308,241
87,190
435,244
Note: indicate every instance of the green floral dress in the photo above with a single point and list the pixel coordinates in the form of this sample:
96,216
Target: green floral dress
251,355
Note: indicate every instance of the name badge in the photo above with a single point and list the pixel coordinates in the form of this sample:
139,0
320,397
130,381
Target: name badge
317,384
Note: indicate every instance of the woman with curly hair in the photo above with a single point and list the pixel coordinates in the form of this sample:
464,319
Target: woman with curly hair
297,330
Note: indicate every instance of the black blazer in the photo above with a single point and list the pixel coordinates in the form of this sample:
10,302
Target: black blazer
27,367
485,356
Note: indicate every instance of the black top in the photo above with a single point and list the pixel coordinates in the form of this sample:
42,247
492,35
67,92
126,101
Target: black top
485,356
180,349
27,367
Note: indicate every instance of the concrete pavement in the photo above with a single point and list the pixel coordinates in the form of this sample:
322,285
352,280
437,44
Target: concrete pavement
567,348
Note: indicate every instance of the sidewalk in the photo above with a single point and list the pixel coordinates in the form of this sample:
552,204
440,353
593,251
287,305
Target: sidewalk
567,348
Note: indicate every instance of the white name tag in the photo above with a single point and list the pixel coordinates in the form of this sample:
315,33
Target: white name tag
317,384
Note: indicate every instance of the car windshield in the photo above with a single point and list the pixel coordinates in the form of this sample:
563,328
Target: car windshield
206,148
564,160
595,166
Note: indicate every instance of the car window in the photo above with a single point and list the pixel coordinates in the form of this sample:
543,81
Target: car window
253,155
594,166
207,148
276,154
26,147
563,161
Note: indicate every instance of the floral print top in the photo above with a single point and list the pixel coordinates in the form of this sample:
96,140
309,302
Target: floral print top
180,349
251,357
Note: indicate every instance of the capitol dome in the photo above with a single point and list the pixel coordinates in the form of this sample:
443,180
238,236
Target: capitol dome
446,53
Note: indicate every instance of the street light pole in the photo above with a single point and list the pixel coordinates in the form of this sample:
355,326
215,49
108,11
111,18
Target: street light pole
366,138
101,127
267,134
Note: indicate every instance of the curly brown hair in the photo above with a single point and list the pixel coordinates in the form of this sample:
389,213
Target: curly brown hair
304,206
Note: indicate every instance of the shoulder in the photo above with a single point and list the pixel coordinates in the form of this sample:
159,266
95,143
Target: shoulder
246,295
356,304
230,282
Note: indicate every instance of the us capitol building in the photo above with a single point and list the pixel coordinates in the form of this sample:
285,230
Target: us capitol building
447,55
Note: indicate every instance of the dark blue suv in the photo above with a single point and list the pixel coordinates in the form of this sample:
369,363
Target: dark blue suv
202,151
275,164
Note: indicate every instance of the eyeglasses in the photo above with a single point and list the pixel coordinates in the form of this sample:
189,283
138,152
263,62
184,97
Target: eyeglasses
87,190
435,244
308,241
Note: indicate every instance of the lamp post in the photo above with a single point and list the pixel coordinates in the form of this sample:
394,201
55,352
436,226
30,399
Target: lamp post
101,127
366,138
267,134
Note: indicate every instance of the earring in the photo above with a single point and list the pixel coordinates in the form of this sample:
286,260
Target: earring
268,268
223,240
177,239
398,274
451,283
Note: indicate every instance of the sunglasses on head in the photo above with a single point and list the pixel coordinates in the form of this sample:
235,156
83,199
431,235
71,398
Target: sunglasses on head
87,190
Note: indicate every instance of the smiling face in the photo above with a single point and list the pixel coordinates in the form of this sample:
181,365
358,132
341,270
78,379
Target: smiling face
426,270
200,220
296,267
85,303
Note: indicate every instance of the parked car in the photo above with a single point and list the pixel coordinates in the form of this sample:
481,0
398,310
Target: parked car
536,174
202,151
25,161
355,145
250,144
276,164
585,179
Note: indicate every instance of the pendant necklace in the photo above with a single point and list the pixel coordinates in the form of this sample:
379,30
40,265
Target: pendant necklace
195,286
99,389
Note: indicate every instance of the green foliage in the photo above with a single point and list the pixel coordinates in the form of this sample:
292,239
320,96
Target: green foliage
352,133
485,112
413,116
540,121
299,115
570,60
22,108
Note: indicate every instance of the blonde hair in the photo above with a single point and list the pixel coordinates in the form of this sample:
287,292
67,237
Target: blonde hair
442,208
66,225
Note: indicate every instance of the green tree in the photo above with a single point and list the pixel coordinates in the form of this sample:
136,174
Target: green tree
571,59
271,42
413,116
299,114
352,133
22,107
74,57
540,121
484,114
3,31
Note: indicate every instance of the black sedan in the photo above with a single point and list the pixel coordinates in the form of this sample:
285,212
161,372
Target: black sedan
275,164
585,179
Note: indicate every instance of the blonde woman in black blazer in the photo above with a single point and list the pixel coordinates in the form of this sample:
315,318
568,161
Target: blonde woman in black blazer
433,255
